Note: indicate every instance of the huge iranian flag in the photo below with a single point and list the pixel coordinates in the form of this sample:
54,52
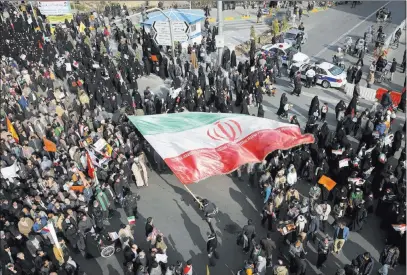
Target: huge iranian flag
196,146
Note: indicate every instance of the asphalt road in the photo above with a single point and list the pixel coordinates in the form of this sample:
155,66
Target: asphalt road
178,218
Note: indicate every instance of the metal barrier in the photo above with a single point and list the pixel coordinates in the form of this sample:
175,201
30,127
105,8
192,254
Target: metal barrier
365,93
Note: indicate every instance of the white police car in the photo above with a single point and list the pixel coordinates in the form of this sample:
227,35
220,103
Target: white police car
328,74
285,50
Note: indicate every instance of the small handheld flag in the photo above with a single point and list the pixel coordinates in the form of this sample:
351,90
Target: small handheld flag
82,28
49,146
131,220
11,130
399,227
328,183
91,168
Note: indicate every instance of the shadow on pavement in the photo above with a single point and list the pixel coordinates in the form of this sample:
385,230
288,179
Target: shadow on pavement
111,271
228,231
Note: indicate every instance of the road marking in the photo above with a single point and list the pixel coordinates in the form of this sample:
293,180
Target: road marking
346,33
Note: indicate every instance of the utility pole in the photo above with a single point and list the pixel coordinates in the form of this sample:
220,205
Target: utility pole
220,29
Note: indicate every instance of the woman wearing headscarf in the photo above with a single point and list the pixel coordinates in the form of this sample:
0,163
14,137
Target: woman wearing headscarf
351,109
314,106
402,104
322,135
359,218
339,110
233,59
283,102
244,109
398,139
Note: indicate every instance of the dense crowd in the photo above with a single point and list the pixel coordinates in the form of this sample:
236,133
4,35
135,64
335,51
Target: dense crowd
72,157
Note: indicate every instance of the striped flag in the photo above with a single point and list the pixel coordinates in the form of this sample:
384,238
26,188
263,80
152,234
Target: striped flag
131,220
198,145
91,168
399,227
11,130
46,228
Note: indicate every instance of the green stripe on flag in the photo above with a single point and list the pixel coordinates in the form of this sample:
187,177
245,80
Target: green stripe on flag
175,123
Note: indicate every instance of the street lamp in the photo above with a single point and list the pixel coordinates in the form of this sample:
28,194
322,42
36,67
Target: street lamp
169,21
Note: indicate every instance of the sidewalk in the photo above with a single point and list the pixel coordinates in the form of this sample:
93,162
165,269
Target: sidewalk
399,77
243,14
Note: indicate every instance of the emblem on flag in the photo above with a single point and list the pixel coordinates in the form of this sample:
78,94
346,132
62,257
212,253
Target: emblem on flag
229,130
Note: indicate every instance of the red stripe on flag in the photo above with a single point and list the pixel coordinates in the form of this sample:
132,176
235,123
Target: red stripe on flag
91,168
196,165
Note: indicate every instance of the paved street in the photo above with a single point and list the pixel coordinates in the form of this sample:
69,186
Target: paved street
172,207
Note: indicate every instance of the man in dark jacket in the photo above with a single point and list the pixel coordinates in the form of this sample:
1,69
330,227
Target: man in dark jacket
301,264
389,258
386,100
352,269
358,74
26,266
360,57
212,243
130,204
393,69
324,249
250,232
211,246
365,263
267,246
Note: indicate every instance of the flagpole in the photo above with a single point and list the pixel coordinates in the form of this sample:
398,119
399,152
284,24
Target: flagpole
192,194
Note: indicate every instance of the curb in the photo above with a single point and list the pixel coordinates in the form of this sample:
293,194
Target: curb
243,17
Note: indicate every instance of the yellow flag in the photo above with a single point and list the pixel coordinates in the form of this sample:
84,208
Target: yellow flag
11,130
82,27
207,270
109,149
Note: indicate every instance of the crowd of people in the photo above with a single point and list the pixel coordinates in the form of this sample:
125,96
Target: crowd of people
362,176
69,155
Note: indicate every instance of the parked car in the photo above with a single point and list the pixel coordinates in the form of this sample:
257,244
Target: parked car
285,50
328,74
291,35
